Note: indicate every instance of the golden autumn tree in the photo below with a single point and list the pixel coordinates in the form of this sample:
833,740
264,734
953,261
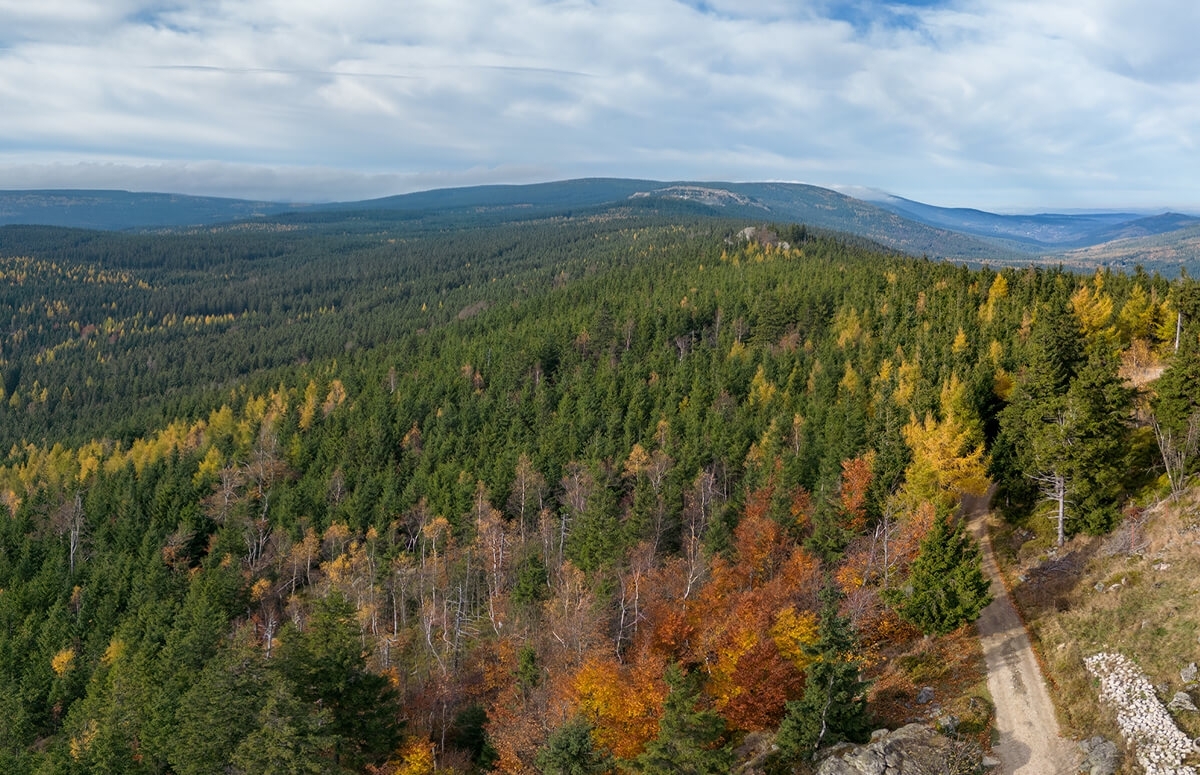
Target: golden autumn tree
623,702
1094,308
945,462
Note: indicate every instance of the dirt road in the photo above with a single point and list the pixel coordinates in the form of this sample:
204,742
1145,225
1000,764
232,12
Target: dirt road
1029,742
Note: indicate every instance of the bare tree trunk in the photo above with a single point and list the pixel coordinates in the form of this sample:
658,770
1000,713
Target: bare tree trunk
1054,489
76,529
1060,493
1177,454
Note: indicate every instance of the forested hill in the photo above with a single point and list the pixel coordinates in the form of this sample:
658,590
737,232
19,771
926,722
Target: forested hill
1164,242
781,202
601,491
125,210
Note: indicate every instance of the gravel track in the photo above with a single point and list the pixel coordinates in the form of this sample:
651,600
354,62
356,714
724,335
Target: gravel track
1029,742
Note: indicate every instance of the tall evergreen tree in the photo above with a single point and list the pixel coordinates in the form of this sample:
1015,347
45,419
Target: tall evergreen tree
830,533
1054,353
288,737
325,665
1176,418
689,738
1073,444
1176,395
1098,404
947,587
570,751
220,709
834,705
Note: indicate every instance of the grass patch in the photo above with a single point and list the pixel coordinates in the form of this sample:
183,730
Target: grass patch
1094,595
952,665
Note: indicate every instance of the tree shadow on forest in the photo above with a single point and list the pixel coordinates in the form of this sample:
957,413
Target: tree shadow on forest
1048,586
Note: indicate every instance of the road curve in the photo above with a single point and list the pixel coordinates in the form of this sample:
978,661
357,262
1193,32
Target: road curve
1028,738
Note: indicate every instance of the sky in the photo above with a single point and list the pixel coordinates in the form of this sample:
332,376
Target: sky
1004,105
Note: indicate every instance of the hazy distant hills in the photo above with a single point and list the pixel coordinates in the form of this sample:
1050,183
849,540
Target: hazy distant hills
826,209
763,202
1043,232
1164,242
120,210
539,197
1166,252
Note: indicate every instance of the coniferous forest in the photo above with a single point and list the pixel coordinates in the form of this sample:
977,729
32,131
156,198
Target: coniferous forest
602,491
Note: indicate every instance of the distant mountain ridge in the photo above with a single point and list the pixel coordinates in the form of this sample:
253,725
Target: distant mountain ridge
1044,230
120,210
1118,239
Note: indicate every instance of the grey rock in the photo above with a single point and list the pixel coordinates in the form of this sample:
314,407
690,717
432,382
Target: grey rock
1181,701
754,752
925,696
1188,674
1102,757
914,749
989,762
947,724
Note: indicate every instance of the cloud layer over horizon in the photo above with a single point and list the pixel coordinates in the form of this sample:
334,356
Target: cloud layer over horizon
999,104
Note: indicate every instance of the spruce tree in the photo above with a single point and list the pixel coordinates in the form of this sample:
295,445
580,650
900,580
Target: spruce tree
219,709
829,532
288,737
689,738
570,751
1099,407
1022,445
325,665
946,587
834,705
1176,397
1176,418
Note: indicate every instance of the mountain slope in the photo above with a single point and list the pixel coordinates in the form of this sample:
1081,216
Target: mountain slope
1044,231
1090,239
361,479
118,210
777,202
828,209
557,195
1165,252
1035,231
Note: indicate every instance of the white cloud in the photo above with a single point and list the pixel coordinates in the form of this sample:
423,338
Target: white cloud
1002,103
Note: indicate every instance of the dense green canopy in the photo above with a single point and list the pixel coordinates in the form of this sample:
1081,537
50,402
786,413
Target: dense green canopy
363,476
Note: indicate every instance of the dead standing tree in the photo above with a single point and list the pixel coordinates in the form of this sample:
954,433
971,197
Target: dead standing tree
1178,451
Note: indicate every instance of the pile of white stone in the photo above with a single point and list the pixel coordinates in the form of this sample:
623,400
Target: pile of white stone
1159,745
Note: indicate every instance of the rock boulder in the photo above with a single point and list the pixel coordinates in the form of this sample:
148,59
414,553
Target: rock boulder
1101,756
910,750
